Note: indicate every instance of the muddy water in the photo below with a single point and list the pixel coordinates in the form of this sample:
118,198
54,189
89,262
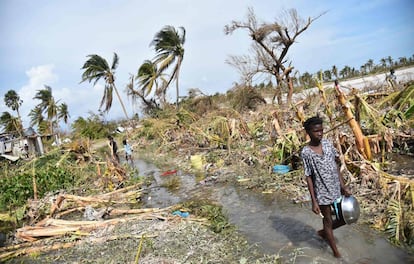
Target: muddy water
277,225
400,165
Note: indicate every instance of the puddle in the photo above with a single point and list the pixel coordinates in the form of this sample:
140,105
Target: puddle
276,224
400,165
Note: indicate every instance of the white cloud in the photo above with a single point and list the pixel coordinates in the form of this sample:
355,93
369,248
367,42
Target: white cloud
39,76
79,100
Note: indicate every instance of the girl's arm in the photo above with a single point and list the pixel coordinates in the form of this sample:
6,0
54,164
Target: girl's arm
315,205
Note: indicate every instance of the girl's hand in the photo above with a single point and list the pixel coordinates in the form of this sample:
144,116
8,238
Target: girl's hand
345,191
315,208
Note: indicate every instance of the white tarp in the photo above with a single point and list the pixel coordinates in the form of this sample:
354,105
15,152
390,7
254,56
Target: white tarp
10,157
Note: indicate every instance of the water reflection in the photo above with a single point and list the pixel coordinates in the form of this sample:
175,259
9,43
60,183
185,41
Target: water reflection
296,231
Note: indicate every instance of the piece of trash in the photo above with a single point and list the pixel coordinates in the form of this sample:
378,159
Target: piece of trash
281,169
197,162
243,180
170,172
269,191
182,214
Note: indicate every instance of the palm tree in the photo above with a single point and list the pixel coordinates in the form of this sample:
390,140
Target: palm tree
306,80
148,76
370,64
327,75
36,116
390,61
10,123
13,101
47,105
334,71
63,113
402,61
37,119
168,44
96,68
363,69
383,62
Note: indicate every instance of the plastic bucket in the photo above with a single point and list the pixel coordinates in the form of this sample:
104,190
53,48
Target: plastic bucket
281,169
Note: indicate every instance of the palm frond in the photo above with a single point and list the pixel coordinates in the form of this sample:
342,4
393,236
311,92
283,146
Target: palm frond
404,97
12,100
107,98
9,122
96,68
63,112
36,116
147,75
165,62
394,214
115,62
410,111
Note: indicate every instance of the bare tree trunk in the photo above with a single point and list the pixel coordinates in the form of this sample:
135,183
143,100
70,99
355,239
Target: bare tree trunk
356,129
122,103
290,91
176,81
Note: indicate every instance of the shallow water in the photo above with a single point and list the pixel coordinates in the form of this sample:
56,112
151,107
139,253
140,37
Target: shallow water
400,165
277,225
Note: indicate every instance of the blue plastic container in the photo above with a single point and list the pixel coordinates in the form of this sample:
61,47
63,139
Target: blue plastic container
281,169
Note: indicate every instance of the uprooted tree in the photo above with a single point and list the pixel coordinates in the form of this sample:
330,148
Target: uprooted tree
271,43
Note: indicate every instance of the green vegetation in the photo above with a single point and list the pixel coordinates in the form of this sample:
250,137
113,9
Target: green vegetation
93,127
43,175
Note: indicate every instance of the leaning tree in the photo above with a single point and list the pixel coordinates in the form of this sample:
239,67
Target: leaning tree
271,42
169,47
96,68
47,105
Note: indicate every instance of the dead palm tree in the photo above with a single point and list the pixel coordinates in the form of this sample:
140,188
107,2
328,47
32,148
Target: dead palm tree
168,44
96,68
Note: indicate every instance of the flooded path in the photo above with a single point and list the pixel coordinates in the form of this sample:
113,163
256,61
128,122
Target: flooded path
276,224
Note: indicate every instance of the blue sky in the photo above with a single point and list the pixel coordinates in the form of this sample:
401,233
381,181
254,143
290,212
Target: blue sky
45,42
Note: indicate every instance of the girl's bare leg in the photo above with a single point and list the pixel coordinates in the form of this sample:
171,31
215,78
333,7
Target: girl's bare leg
328,226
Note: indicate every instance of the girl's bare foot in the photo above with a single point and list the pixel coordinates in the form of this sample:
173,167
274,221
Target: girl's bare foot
337,255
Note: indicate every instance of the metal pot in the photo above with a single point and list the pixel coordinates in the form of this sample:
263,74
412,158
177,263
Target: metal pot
350,209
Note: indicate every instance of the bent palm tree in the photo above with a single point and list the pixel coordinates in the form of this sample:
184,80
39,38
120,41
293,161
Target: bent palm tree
168,44
148,77
47,105
96,68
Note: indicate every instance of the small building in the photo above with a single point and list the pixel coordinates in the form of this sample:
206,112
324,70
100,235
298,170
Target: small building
14,147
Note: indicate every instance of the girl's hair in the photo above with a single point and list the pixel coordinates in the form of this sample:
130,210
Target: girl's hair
124,142
310,122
